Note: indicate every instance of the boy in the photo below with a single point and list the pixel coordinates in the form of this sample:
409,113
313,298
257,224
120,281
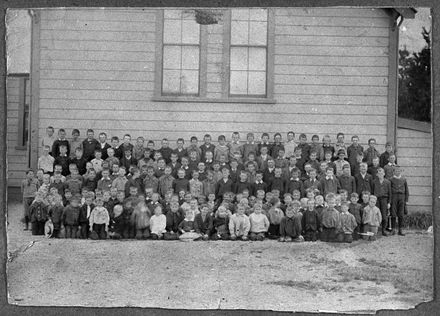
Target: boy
224,184
373,169
160,170
221,149
364,181
346,180
207,146
371,152
97,161
295,182
75,143
193,146
276,146
305,148
340,145
239,224
180,151
310,222
49,138
141,219
348,224
356,210
73,181
128,160
150,180
71,216
111,159
234,145
327,146
242,184
181,183
63,160
371,218
173,218
390,166
139,149
400,196
290,145
38,214
195,185
264,143
331,221
382,191
166,181
117,149
280,161
259,224
317,147
329,184
278,182
290,226
84,215
384,157
353,151
275,215
166,151
126,144
105,183
120,182
103,145
46,161
90,144
79,161
340,163
209,184
99,220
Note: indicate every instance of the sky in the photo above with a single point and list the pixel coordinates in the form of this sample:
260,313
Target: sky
19,37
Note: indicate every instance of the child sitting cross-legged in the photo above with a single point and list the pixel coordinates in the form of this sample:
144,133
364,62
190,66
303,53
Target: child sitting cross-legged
310,222
158,223
259,223
203,222
221,224
290,226
186,227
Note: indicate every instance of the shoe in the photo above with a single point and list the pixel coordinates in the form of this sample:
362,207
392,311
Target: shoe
282,239
288,239
401,233
393,232
244,238
384,233
299,239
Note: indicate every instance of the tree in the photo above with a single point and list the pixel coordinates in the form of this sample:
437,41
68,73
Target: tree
415,82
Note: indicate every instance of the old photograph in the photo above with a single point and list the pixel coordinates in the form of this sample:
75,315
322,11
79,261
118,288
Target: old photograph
258,158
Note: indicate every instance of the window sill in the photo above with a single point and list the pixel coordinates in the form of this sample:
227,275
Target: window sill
20,147
212,100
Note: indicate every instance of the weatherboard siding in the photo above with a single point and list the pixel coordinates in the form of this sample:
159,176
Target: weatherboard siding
97,70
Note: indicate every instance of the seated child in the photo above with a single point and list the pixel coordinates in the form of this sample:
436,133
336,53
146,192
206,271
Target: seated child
130,227
141,219
275,215
290,226
99,220
372,218
221,224
259,223
158,223
203,222
186,227
38,213
173,218
310,222
348,224
117,222
239,224
330,223
71,216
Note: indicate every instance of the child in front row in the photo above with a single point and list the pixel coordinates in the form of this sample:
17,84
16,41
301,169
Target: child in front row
239,224
372,218
330,223
158,223
348,224
290,226
310,222
99,220
259,223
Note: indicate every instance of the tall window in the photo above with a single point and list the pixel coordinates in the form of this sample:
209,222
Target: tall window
24,97
181,53
248,52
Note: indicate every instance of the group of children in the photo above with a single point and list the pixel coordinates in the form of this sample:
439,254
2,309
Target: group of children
236,190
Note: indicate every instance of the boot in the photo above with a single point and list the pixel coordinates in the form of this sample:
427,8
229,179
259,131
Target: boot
26,226
401,233
384,232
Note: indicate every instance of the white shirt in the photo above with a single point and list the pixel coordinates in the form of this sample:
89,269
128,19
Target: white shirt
158,224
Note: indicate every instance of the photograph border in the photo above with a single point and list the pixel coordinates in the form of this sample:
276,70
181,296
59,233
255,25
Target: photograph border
428,308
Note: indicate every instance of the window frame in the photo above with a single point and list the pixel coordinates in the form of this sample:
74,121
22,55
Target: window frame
225,68
22,79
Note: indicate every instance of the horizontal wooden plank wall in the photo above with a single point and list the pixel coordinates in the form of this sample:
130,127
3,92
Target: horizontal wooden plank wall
330,76
17,158
414,153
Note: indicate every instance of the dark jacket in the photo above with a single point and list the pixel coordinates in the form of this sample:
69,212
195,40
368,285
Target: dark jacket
71,215
203,226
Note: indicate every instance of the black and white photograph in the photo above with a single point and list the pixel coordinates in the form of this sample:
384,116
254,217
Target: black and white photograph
220,158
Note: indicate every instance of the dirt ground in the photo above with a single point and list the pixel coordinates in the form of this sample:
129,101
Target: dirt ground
390,273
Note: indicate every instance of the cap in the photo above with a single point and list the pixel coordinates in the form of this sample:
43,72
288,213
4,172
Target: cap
341,151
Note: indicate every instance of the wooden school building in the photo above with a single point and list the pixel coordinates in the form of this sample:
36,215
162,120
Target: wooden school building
181,72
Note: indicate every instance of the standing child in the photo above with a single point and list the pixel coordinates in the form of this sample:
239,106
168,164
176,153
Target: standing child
310,222
290,226
382,190
173,218
158,223
75,143
221,149
356,210
46,161
84,215
259,224
348,224
330,223
371,218
29,188
195,185
353,151
56,211
384,157
38,214
400,196
99,220
117,222
71,216
49,138
234,146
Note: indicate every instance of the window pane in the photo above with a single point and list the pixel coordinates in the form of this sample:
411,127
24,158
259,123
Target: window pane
239,33
190,32
172,32
258,14
257,58
239,58
172,14
240,14
171,81
258,33
238,82
172,56
190,82
257,83
190,57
